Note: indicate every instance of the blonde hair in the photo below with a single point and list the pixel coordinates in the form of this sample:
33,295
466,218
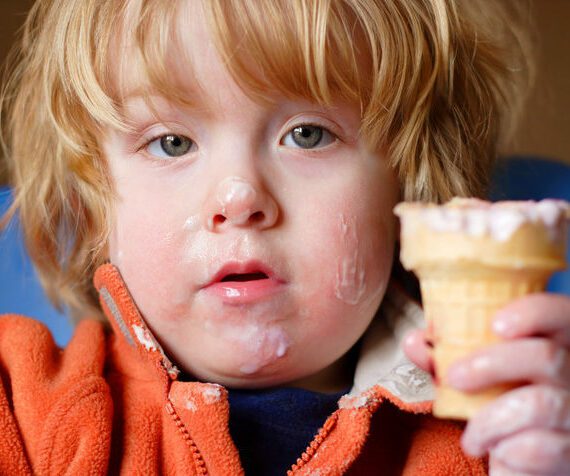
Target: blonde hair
436,81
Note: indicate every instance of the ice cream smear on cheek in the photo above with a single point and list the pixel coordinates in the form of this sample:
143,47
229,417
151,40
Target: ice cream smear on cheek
350,276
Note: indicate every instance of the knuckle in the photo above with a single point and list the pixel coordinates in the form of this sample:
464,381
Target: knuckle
557,461
559,410
549,454
555,358
526,452
543,406
544,398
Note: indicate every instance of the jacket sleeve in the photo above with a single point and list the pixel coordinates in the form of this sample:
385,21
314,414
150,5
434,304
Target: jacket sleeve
436,451
55,406
13,459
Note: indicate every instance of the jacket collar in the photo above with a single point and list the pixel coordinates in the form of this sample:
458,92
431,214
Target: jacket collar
382,369
126,321
382,362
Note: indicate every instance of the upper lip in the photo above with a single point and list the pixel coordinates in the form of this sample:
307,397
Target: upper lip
237,268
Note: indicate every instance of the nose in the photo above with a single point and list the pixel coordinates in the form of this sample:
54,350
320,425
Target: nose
239,202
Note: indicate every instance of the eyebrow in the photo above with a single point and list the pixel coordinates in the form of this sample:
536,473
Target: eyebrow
193,100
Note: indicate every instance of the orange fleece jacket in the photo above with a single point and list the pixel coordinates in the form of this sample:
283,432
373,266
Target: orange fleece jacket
111,403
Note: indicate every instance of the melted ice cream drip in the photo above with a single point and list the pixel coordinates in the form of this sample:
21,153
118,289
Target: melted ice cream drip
255,339
350,278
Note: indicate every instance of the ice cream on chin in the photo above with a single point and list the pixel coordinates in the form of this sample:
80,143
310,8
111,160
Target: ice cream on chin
472,257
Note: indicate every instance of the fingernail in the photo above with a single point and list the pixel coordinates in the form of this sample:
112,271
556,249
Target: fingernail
500,326
470,444
466,375
458,375
409,340
505,324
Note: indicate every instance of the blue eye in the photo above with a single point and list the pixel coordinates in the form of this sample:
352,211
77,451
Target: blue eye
307,136
170,145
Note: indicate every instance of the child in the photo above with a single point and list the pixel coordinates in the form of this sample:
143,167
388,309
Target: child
226,172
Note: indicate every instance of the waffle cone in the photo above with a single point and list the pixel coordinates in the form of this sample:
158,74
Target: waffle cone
465,280
459,310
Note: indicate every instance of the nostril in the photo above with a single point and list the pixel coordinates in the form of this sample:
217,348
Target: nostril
257,217
219,219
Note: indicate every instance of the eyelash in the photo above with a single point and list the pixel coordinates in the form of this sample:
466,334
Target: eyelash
192,145
326,130
333,136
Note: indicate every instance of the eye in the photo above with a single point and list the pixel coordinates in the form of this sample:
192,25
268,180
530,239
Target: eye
170,145
308,136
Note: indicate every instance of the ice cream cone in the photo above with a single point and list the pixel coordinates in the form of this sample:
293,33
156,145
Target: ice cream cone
472,258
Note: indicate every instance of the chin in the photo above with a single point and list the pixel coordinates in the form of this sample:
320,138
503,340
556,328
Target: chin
250,382
262,378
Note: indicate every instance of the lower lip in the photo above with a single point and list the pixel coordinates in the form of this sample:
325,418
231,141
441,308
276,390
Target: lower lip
246,292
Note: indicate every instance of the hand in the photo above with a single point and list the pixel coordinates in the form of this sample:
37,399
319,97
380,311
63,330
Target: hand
527,430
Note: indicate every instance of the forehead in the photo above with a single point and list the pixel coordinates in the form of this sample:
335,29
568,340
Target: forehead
267,46
158,57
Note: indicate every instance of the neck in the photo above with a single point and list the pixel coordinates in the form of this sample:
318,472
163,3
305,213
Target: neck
335,378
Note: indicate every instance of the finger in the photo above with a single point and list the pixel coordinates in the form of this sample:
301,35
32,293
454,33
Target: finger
497,468
536,406
534,360
417,349
543,452
536,314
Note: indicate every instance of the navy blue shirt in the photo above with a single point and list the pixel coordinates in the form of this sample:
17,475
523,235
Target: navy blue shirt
272,428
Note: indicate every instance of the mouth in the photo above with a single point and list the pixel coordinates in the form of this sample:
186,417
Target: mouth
244,277
250,271
244,283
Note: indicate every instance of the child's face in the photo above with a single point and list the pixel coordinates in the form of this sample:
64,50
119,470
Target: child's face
236,191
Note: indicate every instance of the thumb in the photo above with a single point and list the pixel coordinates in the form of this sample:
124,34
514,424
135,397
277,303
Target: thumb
418,350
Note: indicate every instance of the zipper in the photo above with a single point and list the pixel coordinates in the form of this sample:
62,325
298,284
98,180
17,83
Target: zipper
315,444
199,462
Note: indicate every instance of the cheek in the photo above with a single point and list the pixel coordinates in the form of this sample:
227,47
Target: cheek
349,258
355,250
145,246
